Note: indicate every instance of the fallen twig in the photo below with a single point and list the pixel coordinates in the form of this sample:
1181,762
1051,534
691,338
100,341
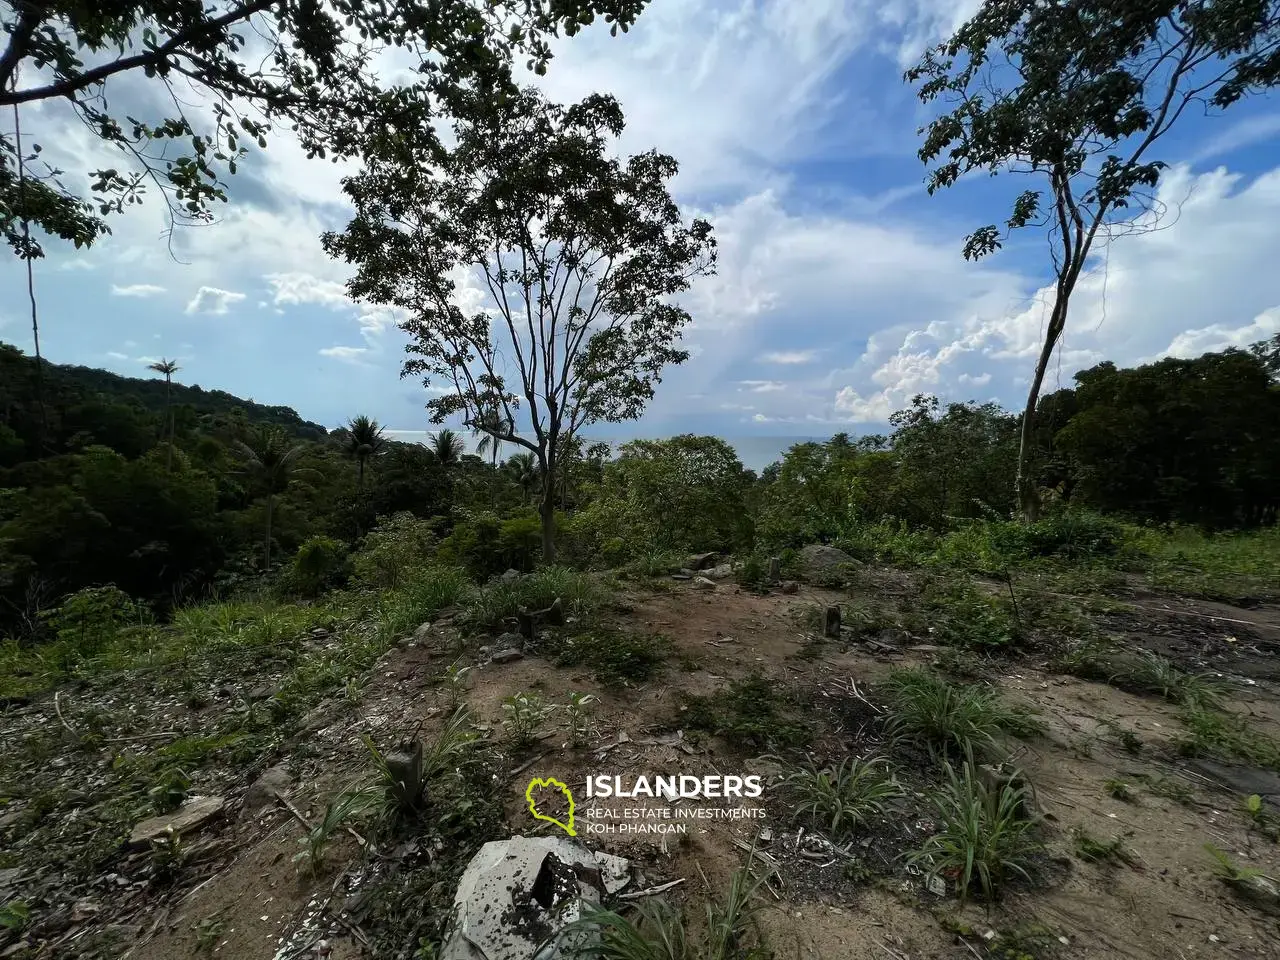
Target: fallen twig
650,891
528,763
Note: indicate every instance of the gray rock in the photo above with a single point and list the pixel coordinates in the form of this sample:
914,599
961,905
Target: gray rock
682,575
702,583
1246,780
320,633
192,815
821,561
700,561
515,893
509,641
510,576
423,633
274,782
262,692
721,571
506,655
789,586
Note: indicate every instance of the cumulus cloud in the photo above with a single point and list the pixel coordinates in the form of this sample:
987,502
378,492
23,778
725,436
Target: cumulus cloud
789,357
213,300
345,354
136,290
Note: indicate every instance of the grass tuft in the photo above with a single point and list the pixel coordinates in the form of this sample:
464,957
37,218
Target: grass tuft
926,708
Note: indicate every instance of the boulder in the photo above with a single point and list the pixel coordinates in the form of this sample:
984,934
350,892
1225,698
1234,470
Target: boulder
516,894
192,815
789,586
721,571
821,561
702,583
509,641
506,655
274,782
422,634
509,576
700,561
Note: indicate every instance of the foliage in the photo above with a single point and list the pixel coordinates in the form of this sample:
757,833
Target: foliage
579,594
984,837
308,72
318,565
1092,850
523,714
1221,733
615,657
486,544
347,805
405,774
90,618
924,707
839,798
579,713
965,616
584,325
751,713
399,549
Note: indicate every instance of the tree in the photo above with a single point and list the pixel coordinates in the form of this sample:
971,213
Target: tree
1268,351
578,253
271,462
1078,92
446,446
168,368
302,66
365,440
523,469
491,426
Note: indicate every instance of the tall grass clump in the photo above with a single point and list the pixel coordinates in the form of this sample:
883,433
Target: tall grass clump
926,708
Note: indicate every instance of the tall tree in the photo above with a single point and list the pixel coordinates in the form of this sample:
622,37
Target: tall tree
1078,93
446,446
271,462
365,440
168,368
302,66
577,251
523,469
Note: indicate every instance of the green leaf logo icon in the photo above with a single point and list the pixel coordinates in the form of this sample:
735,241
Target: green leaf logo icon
550,783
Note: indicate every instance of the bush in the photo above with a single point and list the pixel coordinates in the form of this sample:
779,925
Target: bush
89,619
319,564
1074,535
401,544
486,545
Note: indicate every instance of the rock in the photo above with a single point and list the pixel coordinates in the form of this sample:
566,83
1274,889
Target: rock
1245,780
831,623
702,583
516,894
508,641
509,655
274,782
509,576
422,634
682,576
789,586
192,815
320,633
775,569
9,877
700,561
262,692
825,562
721,571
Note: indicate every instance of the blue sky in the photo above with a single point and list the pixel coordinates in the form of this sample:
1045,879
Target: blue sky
841,290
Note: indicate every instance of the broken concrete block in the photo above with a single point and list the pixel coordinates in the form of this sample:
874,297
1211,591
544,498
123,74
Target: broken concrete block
192,815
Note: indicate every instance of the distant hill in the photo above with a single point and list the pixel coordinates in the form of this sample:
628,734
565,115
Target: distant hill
82,401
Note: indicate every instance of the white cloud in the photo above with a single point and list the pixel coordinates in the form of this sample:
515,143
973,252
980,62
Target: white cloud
789,356
136,290
213,300
116,355
762,386
299,287
1241,133
345,354
1211,339
980,380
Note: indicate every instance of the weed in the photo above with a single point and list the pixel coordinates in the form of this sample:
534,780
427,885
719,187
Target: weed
984,837
15,915
616,658
579,593
523,714
1121,790
1129,741
968,617
841,798
751,713
1152,673
455,682
405,774
1092,850
208,932
925,708
353,691
1166,787
1227,734
1231,873
579,716
169,791
343,808
168,853
1260,817
962,664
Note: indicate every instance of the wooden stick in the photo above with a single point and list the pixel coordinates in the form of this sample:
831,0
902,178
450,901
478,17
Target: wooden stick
650,891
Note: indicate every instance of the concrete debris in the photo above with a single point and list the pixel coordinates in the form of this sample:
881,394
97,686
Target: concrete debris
192,815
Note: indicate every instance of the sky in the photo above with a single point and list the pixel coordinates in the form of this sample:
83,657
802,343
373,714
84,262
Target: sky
841,290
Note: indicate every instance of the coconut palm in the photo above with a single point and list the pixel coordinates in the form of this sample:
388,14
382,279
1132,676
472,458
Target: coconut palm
271,463
365,441
490,426
447,447
168,368
523,469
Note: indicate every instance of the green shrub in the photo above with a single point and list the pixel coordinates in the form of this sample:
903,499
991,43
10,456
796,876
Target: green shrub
318,565
968,617
91,618
925,708
399,545
751,713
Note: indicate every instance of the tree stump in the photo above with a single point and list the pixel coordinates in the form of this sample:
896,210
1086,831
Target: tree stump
831,623
775,569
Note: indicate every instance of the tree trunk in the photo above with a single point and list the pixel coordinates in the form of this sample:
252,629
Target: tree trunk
1024,484
266,544
547,510
168,415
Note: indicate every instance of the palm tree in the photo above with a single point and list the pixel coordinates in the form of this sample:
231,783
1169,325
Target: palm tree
487,426
447,447
168,368
523,469
364,441
271,464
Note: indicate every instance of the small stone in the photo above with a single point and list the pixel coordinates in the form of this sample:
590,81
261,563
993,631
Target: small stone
274,782
507,655
790,586
702,583
190,816
422,633
682,576
262,692
320,633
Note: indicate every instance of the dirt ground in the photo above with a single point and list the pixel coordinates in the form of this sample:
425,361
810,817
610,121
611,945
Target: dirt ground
257,904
